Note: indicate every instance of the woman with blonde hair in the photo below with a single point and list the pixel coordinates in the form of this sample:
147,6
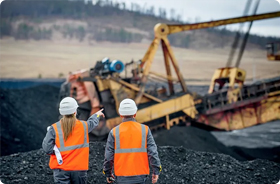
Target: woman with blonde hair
67,143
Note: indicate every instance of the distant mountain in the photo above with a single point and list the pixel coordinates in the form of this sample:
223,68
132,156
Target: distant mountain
105,21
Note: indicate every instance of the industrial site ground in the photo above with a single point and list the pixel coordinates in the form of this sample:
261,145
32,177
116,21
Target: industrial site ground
188,154
55,40
180,165
23,59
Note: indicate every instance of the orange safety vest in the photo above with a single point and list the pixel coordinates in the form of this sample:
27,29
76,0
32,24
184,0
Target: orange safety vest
131,156
74,151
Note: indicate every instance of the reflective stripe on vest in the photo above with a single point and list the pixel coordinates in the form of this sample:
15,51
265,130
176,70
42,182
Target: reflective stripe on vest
131,150
68,148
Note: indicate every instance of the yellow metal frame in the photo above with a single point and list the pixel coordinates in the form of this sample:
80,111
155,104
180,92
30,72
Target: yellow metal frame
148,59
184,103
229,75
242,117
163,30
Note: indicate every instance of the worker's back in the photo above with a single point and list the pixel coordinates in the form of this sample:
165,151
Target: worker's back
131,149
75,150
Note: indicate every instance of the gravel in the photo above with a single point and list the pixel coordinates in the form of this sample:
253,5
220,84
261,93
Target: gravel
180,165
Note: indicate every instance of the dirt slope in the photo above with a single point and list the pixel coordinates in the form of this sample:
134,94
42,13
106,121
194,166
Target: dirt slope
52,59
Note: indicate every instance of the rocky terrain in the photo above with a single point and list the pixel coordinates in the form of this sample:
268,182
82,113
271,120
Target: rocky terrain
180,165
188,154
25,114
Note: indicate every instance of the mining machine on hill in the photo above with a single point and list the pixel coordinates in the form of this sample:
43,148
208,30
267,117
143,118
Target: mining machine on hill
164,100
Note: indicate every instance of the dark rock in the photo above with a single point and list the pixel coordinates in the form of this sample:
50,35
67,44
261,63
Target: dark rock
16,139
24,127
257,174
192,138
25,115
224,169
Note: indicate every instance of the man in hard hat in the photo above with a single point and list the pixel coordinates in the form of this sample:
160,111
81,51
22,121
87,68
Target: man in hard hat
67,143
130,147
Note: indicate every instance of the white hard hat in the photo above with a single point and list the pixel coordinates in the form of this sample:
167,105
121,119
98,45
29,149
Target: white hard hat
67,106
127,107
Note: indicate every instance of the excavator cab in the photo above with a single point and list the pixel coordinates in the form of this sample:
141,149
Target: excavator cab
273,51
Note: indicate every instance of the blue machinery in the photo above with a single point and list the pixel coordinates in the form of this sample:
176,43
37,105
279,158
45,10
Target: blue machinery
114,66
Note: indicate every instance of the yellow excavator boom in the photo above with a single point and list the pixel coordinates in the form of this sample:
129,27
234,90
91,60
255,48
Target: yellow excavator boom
163,30
179,28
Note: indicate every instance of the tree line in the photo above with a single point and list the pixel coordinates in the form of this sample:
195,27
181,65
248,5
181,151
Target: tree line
83,9
77,9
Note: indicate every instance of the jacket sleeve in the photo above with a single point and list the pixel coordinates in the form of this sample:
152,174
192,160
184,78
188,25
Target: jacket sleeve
153,154
93,122
109,155
49,141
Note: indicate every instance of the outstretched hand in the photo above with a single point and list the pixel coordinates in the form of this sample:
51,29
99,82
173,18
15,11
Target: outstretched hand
100,113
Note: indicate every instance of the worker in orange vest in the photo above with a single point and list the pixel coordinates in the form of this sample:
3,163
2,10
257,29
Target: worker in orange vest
129,149
67,143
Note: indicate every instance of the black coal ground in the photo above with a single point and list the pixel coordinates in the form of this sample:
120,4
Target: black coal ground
24,115
180,165
202,140
192,138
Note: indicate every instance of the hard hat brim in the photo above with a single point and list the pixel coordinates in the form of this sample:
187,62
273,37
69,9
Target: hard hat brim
127,112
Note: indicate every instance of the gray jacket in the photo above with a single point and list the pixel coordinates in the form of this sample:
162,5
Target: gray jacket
152,156
49,140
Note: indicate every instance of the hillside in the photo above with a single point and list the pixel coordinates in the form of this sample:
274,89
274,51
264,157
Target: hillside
50,38
52,59
104,21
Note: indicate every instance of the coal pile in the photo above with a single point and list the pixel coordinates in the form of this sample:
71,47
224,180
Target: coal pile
180,165
193,138
261,141
25,115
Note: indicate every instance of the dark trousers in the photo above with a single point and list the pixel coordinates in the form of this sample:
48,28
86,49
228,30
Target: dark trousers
125,181
69,177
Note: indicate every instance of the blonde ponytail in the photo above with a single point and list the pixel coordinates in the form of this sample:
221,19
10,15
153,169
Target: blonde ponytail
68,122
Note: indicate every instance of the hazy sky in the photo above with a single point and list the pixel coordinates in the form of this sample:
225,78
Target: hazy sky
218,9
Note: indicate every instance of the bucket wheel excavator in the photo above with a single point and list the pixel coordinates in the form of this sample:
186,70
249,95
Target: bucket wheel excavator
230,106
